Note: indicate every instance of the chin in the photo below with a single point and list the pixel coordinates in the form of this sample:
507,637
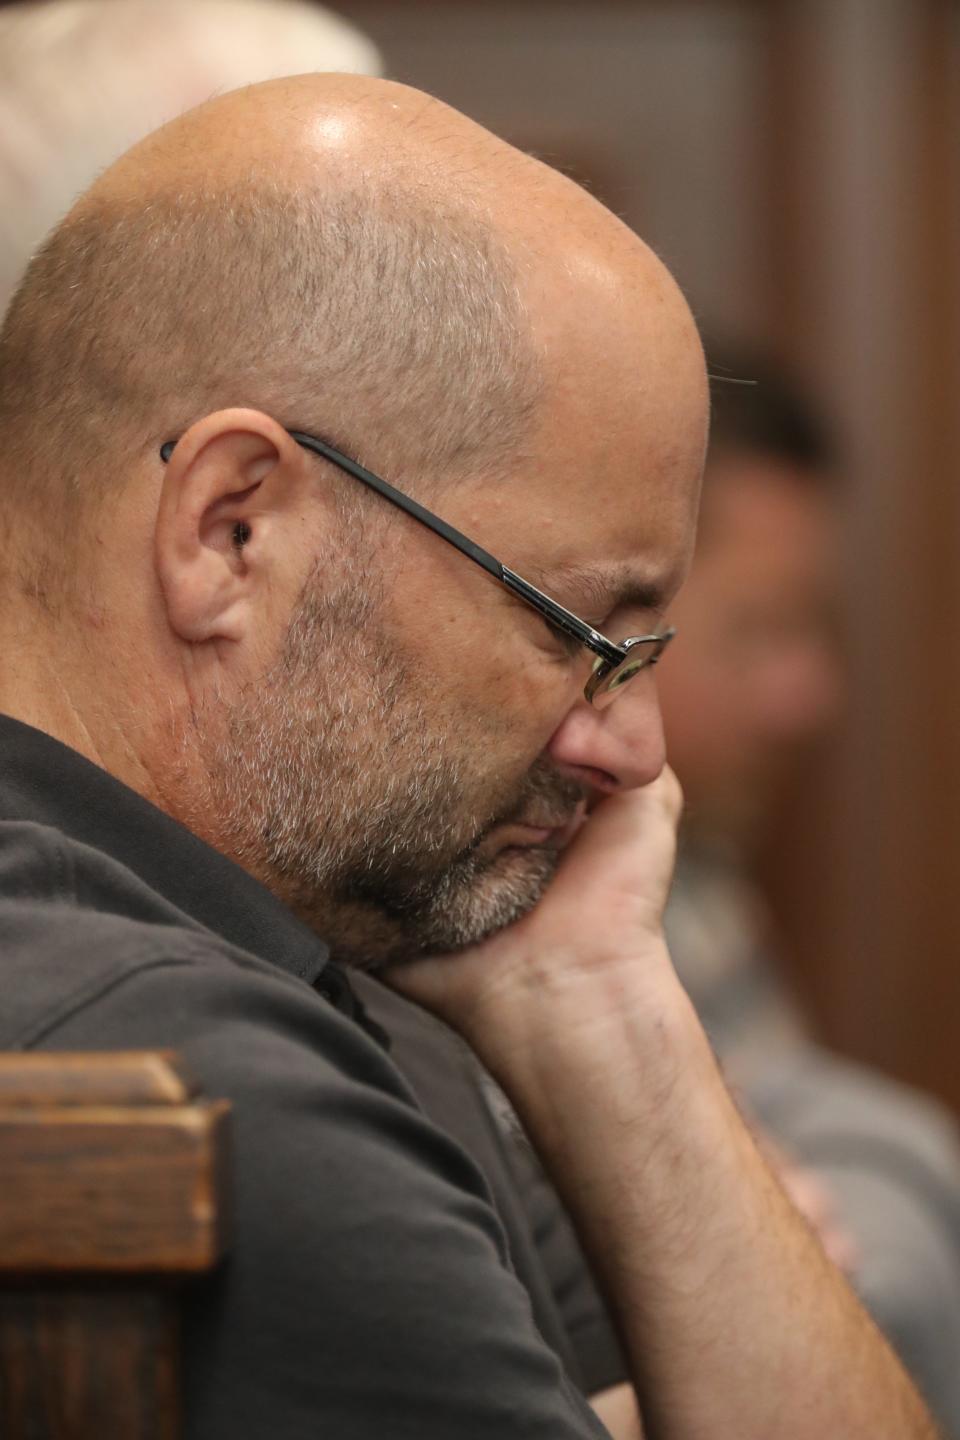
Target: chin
465,906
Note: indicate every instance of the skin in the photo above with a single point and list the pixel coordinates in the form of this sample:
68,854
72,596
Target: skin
575,1008
215,627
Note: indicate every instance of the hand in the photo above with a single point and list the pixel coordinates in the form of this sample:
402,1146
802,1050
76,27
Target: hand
591,932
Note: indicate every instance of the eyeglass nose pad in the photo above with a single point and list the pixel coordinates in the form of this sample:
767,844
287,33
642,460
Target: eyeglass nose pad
598,696
608,680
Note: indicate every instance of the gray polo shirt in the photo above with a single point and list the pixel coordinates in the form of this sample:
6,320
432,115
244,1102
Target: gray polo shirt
368,1292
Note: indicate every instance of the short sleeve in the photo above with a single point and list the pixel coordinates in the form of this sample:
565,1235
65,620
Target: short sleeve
586,1319
366,1292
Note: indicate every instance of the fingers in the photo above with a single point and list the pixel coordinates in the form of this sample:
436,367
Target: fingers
607,897
628,838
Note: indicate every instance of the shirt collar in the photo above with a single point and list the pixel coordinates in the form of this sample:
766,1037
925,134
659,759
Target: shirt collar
44,781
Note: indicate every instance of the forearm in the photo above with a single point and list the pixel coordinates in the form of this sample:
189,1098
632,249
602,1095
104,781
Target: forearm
736,1325
735,1322
617,1408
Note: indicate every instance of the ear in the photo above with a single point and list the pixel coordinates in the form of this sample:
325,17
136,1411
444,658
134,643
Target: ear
233,486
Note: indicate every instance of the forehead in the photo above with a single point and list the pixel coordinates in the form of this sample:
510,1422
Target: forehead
606,501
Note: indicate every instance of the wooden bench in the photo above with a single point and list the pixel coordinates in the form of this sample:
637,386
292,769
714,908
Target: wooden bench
112,1197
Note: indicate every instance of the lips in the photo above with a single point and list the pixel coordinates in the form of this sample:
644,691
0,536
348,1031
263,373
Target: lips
555,831
572,826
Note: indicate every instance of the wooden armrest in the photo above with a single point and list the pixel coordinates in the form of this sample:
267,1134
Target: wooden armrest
112,1193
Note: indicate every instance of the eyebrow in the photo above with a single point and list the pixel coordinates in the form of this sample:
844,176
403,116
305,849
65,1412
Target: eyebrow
611,586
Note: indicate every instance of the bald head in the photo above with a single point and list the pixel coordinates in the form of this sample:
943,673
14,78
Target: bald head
273,248
347,254
316,685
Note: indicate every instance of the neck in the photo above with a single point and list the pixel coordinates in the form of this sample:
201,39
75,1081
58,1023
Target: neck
50,681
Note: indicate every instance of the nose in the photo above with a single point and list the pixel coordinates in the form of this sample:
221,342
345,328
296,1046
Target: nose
618,748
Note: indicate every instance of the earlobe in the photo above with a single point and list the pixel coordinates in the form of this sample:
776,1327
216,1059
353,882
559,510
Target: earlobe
221,482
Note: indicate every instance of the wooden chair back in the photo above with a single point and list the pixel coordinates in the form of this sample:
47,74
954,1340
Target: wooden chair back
112,1197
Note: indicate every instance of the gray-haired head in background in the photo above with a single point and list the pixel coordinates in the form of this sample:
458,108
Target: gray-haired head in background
82,80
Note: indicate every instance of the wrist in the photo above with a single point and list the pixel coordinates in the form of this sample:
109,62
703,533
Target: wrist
564,1043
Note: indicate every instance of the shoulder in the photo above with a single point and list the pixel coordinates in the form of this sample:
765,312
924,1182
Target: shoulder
76,926
368,1285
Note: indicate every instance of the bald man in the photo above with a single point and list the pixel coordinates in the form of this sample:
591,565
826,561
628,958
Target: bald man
257,693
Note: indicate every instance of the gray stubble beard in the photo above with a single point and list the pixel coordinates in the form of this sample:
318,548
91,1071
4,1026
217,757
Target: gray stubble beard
332,784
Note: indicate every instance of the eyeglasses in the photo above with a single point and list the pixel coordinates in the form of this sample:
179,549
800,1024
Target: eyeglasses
614,665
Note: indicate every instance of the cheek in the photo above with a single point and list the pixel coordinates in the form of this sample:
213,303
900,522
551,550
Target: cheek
509,691
481,672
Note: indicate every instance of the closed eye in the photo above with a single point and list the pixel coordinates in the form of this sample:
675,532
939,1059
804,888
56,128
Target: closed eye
568,643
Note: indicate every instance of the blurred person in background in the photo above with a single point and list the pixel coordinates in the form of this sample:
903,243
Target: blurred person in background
82,80
756,678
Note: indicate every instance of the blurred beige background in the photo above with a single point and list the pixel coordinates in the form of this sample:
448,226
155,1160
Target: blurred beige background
797,164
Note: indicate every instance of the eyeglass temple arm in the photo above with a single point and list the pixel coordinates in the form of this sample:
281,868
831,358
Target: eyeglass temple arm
396,497
563,619
403,502
549,609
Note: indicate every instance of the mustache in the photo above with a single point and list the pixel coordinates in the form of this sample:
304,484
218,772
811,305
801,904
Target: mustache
546,799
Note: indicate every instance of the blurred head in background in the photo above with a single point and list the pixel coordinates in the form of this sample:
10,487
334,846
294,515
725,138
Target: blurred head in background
83,80
756,673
